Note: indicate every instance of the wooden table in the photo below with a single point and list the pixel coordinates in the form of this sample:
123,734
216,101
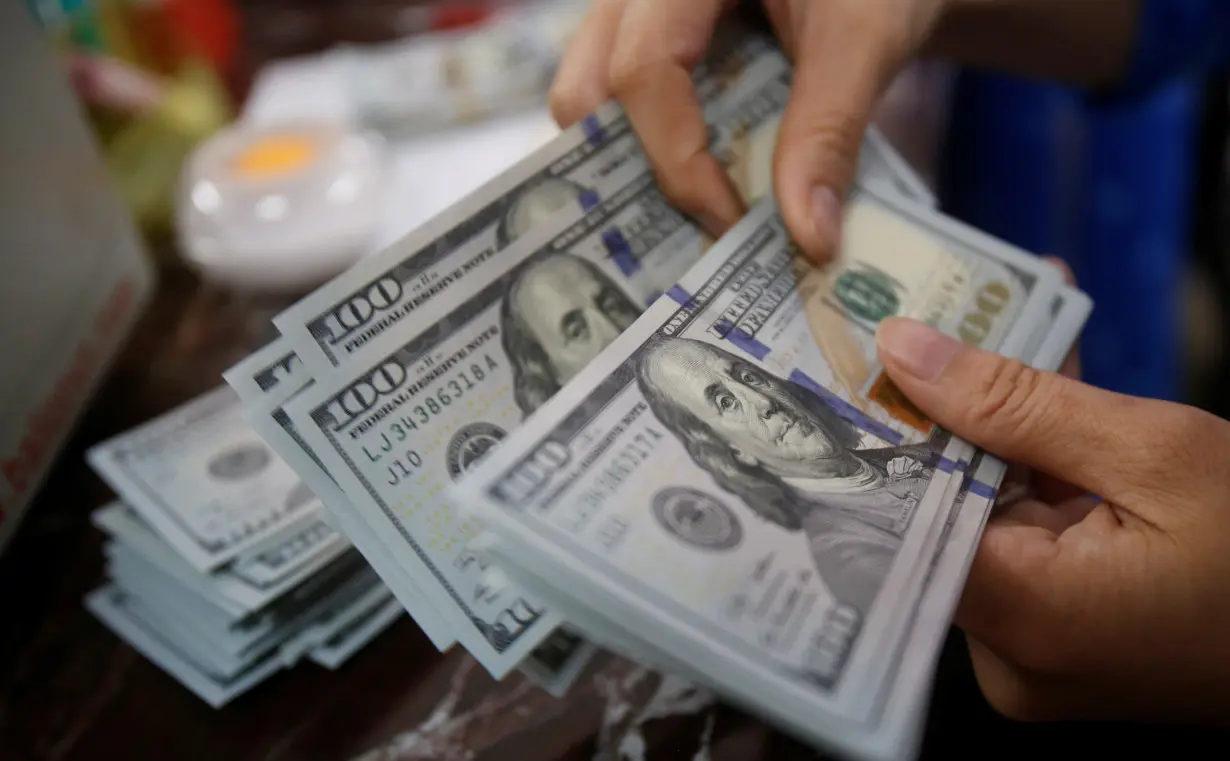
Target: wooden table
72,691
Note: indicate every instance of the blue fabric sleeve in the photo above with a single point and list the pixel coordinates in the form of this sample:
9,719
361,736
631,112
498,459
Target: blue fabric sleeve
1176,38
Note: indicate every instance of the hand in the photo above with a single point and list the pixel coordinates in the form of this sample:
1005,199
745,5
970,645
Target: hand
1078,607
641,52
903,467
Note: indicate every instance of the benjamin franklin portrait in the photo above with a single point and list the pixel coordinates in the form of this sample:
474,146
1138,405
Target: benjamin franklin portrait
560,311
534,205
790,459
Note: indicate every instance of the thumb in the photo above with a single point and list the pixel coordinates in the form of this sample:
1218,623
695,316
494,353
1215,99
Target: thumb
845,54
1094,439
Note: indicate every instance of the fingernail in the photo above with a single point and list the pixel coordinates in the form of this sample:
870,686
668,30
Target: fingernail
920,350
826,215
1063,268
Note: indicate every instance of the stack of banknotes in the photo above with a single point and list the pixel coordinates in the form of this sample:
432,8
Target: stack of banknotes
560,417
223,567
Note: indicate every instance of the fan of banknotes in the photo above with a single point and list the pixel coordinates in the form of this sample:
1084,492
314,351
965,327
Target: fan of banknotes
559,417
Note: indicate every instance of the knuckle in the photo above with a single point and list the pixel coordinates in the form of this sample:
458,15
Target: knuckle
658,38
634,67
1009,398
1184,431
1177,436
837,135
626,75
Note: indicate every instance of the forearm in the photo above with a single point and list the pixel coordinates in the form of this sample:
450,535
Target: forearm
1080,42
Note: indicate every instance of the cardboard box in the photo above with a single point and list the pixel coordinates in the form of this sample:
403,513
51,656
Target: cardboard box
73,270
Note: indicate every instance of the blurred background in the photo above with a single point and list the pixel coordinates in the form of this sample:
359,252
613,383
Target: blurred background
1130,195
392,110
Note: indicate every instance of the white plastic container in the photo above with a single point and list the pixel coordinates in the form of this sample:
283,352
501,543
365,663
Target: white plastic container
281,208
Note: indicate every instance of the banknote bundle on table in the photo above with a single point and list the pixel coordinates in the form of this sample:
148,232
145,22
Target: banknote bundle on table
222,565
560,417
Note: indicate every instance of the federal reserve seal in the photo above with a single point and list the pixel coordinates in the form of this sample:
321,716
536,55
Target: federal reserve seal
243,461
469,445
697,519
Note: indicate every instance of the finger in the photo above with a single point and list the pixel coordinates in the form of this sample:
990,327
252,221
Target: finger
1075,509
845,53
1037,587
580,84
1013,596
1106,443
657,47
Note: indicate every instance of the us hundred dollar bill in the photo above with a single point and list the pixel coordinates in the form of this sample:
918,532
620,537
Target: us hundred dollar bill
733,473
265,381
554,665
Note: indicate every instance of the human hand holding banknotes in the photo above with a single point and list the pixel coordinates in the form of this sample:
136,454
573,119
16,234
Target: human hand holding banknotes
640,52
561,415
1065,592
729,489
845,54
1078,606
